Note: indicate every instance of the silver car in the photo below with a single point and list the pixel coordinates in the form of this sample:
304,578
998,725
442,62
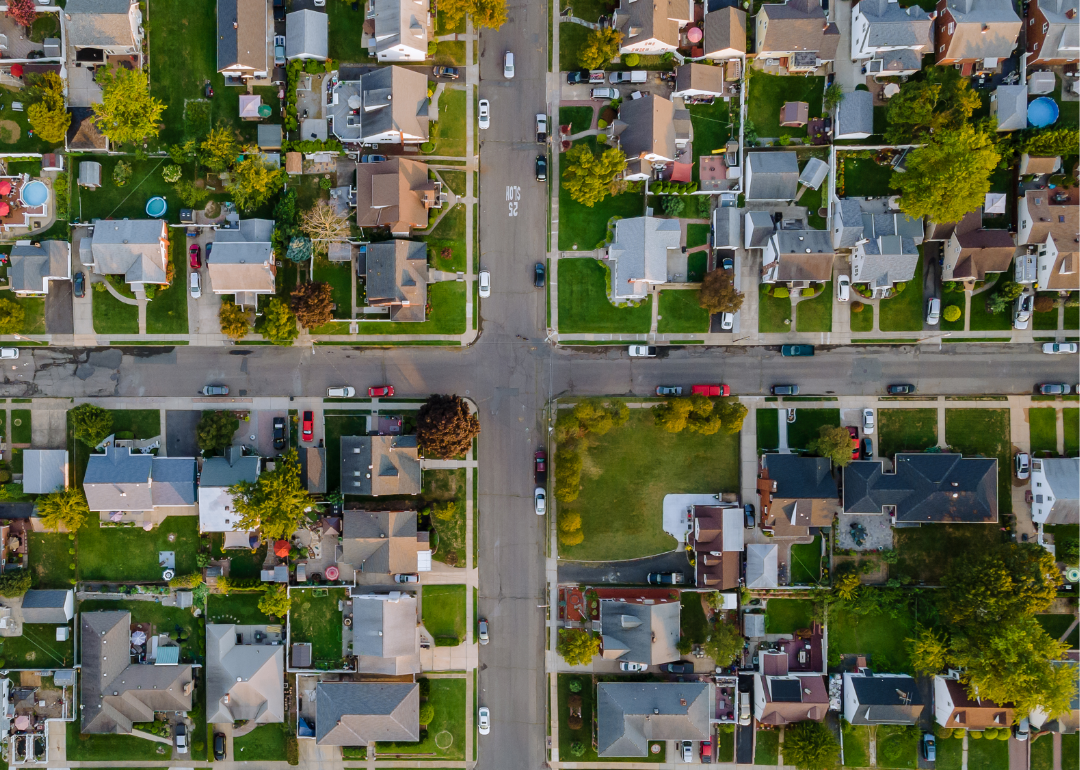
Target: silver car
215,390
483,628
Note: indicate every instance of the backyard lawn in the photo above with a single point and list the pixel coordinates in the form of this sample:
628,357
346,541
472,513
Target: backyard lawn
680,312
807,426
111,201
347,21
904,312
856,745
898,747
578,118
984,432
767,747
696,266
786,616
878,636
815,315
50,561
315,618
1071,425
584,304
449,133
769,93
712,128
444,738
806,562
571,38
925,552
773,312
443,614
864,177
697,235
660,463
241,608
992,755
265,743
111,316
906,430
768,429
99,547
166,313
583,228
1043,429
694,624
37,648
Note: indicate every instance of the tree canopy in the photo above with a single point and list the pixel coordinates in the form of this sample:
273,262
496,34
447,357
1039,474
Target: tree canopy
22,11
484,13
254,182
313,304
724,644
985,587
600,47
275,601
834,442
219,150
718,295
929,651
1057,141
90,423
810,745
323,223
65,507
577,646
277,503
278,324
48,115
588,177
235,321
695,413
215,430
12,316
948,176
445,428
127,113
941,100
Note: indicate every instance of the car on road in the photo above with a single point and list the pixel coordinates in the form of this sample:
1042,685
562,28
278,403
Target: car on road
508,65
540,501
209,390
748,512
219,746
194,256
796,350
541,168
642,351
1022,310
668,390
784,390
180,734
727,321
933,311
79,284
279,433
1048,388
1057,348
196,286
540,467
1023,465
372,158
577,76
482,627
406,577
843,288
711,391
868,421
854,433
450,73
929,748
485,283
483,720
664,578
680,667
539,275
307,428
687,751
483,115
867,447
342,391
605,92
628,666
381,391
900,390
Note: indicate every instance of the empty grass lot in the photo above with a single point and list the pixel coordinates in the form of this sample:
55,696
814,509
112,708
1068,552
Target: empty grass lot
584,304
904,312
583,228
680,312
906,430
863,177
992,755
99,548
856,745
697,235
317,619
786,616
444,614
1043,429
926,552
815,315
448,234
348,25
772,312
448,698
578,118
807,426
878,635
694,624
769,93
806,562
340,277
37,648
166,313
767,747
629,470
445,485
449,133
862,321
898,747
1071,424
768,429
984,432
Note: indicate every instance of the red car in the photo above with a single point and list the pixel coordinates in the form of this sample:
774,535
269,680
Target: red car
540,472
383,391
710,390
307,430
196,259
854,433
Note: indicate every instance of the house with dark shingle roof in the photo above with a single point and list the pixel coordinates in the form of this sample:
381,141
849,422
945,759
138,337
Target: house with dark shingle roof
725,33
772,176
887,250
244,31
927,488
797,491
630,714
113,26
783,698
646,129
34,265
881,699
242,261
120,480
797,258
717,540
359,713
971,255
52,607
640,633
693,79
889,39
796,31
385,105
975,32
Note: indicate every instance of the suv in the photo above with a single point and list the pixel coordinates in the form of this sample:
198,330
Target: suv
605,93
279,433
181,738
933,310
341,392
451,73
1023,465
1054,389
681,667
279,50
219,746
785,390
483,628
665,578
215,390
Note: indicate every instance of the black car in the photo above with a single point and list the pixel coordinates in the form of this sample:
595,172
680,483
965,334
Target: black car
539,273
665,578
577,76
450,73
279,10
748,511
899,390
219,746
678,668
541,168
79,284
279,433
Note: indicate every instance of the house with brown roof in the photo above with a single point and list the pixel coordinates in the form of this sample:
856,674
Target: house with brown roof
794,114
783,698
397,278
1050,221
395,194
651,129
1039,164
381,542
245,33
970,255
385,105
725,33
717,541
797,492
975,33
1052,32
693,79
651,27
954,707
797,258
797,32
113,27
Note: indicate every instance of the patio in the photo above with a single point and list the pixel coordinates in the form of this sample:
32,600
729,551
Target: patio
879,532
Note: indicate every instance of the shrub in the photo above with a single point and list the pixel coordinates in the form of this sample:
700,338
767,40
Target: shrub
425,687
427,713
577,748
857,307
171,173
15,584
574,686
975,734
1044,303
601,124
781,292
121,173
427,147
807,292
899,287
952,313
325,183
631,60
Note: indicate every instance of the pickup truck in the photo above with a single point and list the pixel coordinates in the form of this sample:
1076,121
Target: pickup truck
541,129
636,76
642,351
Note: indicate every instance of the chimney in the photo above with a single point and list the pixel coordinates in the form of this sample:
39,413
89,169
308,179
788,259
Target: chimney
985,28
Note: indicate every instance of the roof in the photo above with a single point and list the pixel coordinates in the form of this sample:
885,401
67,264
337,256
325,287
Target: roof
761,566
98,23
753,625
725,29
52,607
885,260
393,194
982,252
243,681
397,275
630,714
386,637
890,26
242,258
645,21
936,487
855,114
134,248
794,114
799,25
814,173
173,481
650,127
307,34
1039,164
985,29
242,31
118,481
301,655
1056,217
801,477
380,465
44,470
401,23
393,99
804,255
642,633
889,699
773,175
849,216
726,227
699,77
970,713
759,229
358,713
313,460
90,173
789,699
228,470
1011,102
1062,476
380,542
1062,37
639,250
269,136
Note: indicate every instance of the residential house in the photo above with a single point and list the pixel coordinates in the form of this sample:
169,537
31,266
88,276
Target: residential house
385,632
797,258
783,698
44,470
307,35
759,229
361,713
943,231
33,265
402,29
381,542
772,176
954,708
118,692
48,607
937,488
395,194
698,80
796,32
137,249
716,537
1055,489
245,33
651,28
1008,107
216,510
120,480
814,173
794,114
1069,722
374,466
1050,223
397,278
861,220
971,255
976,34
883,262
1052,32
726,232
854,116
762,566
638,255
639,632
387,105
245,674
725,33
889,39
881,699
647,129
630,714
242,261
797,492
100,28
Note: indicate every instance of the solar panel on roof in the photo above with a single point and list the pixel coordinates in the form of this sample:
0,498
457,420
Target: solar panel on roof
786,690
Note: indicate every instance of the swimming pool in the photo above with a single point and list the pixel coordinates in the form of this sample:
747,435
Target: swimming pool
34,193
156,206
1042,112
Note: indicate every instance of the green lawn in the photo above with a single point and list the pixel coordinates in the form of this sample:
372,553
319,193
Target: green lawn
317,619
583,228
786,616
864,177
856,745
241,608
340,277
694,624
992,755
265,743
571,38
878,636
33,313
812,200
105,748
24,142
37,648
680,312
926,552
807,426
21,429
167,313
949,754
244,563
449,134
772,312
448,234
448,698
769,93
1047,321
141,423
582,735
348,24
904,312
712,129
336,426
767,748
584,304
815,315
111,201
1043,429
697,235
981,319
444,614
111,316
1071,425
455,180
696,266
591,10
984,432
1072,314
898,747
725,746
630,470
953,298
906,430
1055,625
99,547
447,314
768,429
1042,752
1070,751
806,562
450,53
50,561
578,118
445,485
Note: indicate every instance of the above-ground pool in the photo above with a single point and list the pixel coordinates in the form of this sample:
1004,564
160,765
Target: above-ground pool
156,206
34,194
1042,112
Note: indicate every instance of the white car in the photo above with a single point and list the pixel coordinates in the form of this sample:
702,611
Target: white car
484,114
9,353
483,720
196,286
485,283
843,288
508,65
868,421
540,501
1055,348
628,666
1023,465
933,310
342,392
181,738
727,321
642,351
687,751
1022,311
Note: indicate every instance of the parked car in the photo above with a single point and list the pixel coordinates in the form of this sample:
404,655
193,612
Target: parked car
307,428
195,285
279,50
1056,348
485,283
1022,310
706,752
372,158
577,76
727,263
687,751
664,578
744,708
540,467
900,390
727,321
867,447
596,77
796,350
748,512
605,92
642,351
843,288
1047,388
406,577
219,746
279,433
929,748
508,65
180,734
194,256
79,285
634,76
1023,465
680,667
868,421
482,627
933,310
784,390
483,720
483,116
854,433
668,390
381,391
712,391
540,501
541,168
450,73
1023,730
208,390
539,275
343,391
635,667
279,10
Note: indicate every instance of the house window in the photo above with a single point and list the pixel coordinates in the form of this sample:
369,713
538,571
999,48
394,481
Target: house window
941,48
1046,27
1035,47
952,27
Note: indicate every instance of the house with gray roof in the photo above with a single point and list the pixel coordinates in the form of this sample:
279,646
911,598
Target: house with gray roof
1008,107
33,265
856,220
375,466
385,105
638,255
929,488
120,480
402,29
359,713
847,223
137,249
976,32
726,230
385,635
269,136
640,633
1052,34
883,259
245,34
772,176
759,229
89,174
245,675
216,510
307,34
854,116
44,470
881,699
48,607
113,26
242,261
797,258
762,566
173,481
725,33
1055,488
646,129
796,30
397,279
381,542
782,697
814,173
888,39
630,714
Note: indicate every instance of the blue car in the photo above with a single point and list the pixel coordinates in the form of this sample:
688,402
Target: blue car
79,285
928,747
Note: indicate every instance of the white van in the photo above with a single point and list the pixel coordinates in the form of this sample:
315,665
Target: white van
342,392
508,65
605,93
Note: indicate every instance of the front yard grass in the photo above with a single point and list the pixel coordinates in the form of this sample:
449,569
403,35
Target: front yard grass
33,313
340,277
712,129
984,432
111,316
99,548
21,429
926,552
877,635
445,485
806,562
443,612
630,470
578,118
767,747
266,743
864,177
584,305
786,616
1055,625
314,617
1070,751
571,38
950,753
592,10
110,748
993,755
37,648
449,133
1043,429
898,747
856,745
450,53
1042,752
455,180
904,313
166,313
448,698
769,93
241,608
447,314
336,426
953,298
583,228
863,321
768,429
1070,417
50,561
680,312
448,234
906,430
697,265
815,315
773,312
807,426
697,235
983,320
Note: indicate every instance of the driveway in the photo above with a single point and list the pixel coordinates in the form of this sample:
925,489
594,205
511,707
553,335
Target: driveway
180,433
58,314
625,572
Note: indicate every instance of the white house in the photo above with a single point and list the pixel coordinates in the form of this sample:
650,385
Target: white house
892,38
403,29
1055,490
638,255
881,699
1050,220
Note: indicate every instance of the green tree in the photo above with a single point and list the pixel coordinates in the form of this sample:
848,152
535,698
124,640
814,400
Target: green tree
834,442
673,205
278,324
718,294
64,507
277,503
215,430
275,601
577,646
445,427
1058,141
254,182
723,644
15,584
190,194
48,116
568,465
672,414
948,176
127,113
929,651
427,713
219,149
600,47
847,587
588,177
989,586
90,423
12,316
834,94
732,412
235,321
810,746
942,100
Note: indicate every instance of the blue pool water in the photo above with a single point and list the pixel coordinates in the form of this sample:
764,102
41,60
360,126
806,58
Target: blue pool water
35,193
1042,112
156,206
